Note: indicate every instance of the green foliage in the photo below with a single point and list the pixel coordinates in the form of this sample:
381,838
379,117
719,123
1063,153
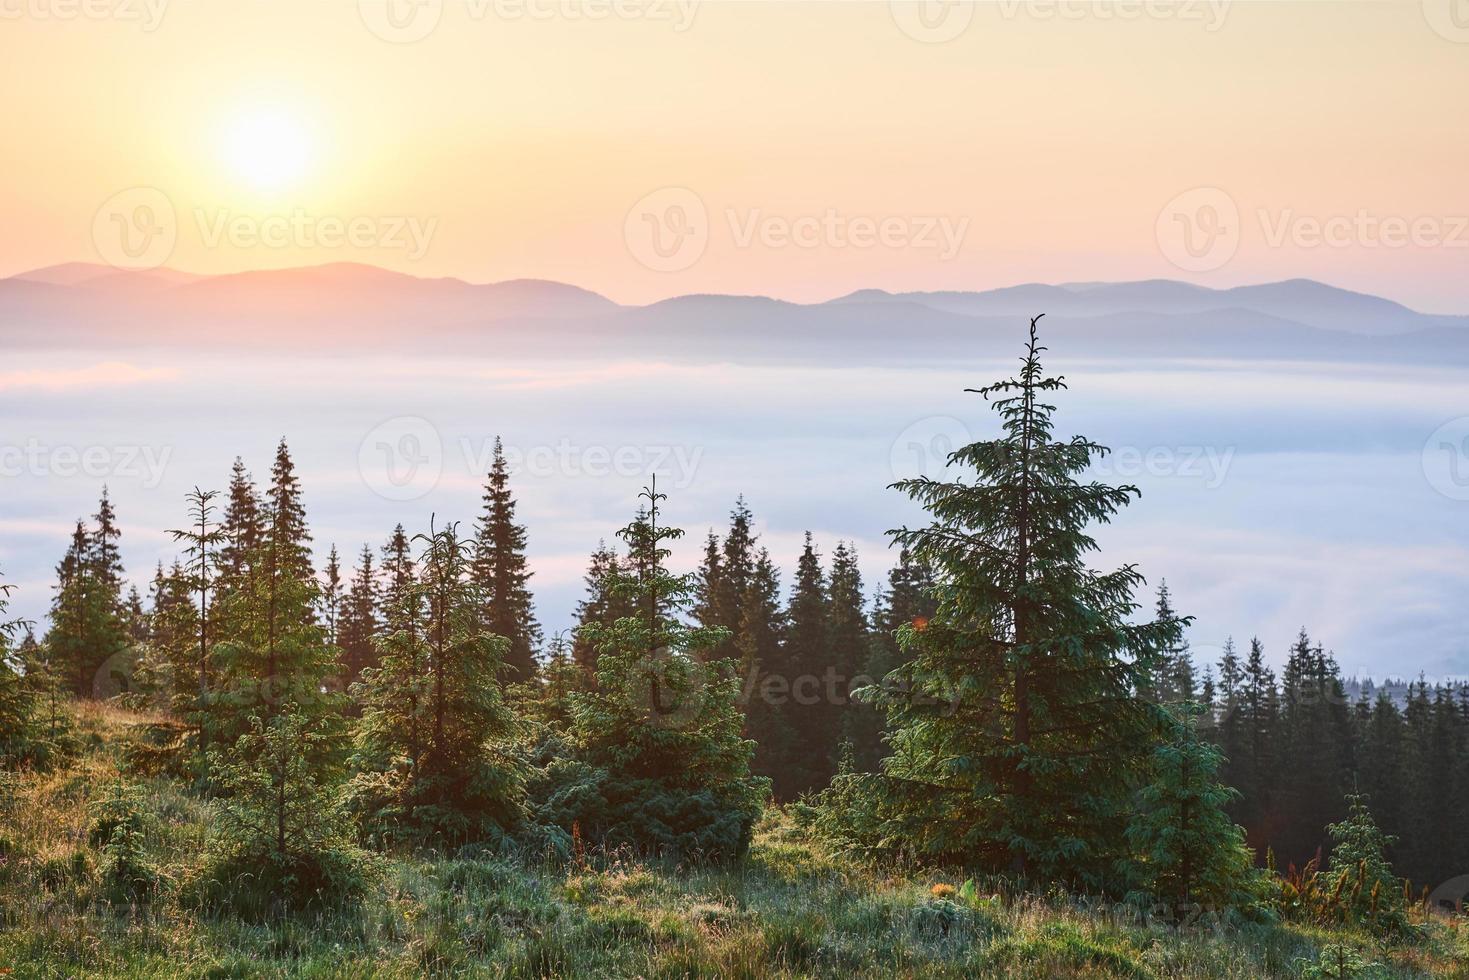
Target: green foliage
272,651
660,764
17,698
1017,731
1368,893
500,573
282,836
906,600
87,625
789,909
1338,961
603,604
117,829
358,629
1189,852
435,730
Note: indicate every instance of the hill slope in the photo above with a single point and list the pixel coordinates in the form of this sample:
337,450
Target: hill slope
789,911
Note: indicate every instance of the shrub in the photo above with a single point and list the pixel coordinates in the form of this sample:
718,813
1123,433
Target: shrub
118,830
283,839
660,766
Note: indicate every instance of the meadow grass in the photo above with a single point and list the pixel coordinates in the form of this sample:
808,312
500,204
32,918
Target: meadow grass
790,910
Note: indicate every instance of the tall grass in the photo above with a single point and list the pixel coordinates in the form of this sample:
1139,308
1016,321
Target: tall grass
790,910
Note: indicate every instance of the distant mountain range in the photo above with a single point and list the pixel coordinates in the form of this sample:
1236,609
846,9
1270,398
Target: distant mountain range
346,303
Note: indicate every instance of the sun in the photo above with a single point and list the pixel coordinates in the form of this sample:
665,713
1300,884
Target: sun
270,148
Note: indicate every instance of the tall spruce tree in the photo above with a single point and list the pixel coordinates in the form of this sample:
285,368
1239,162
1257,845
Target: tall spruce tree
724,579
104,554
1253,766
1313,769
1019,735
242,527
275,653
848,636
501,574
761,634
802,673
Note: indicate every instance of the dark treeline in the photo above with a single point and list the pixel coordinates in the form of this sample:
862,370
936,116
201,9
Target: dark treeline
412,695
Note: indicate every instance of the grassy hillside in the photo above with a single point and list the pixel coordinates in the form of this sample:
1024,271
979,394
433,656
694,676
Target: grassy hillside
790,910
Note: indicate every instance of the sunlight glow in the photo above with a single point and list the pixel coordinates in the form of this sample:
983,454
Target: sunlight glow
270,149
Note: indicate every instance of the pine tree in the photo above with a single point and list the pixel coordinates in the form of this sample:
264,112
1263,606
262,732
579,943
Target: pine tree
242,528
602,606
445,776
282,839
77,614
1191,854
1385,767
805,660
1208,695
847,633
204,538
1173,682
661,763
709,584
135,618
358,628
907,601
1018,735
275,652
398,572
1252,769
18,707
1228,728
724,579
104,556
169,668
1368,892
331,595
758,643
561,677
501,574
1314,736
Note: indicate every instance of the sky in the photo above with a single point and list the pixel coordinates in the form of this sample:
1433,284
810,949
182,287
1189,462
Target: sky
802,150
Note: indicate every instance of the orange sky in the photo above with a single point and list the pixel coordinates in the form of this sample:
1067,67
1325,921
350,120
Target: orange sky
798,150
